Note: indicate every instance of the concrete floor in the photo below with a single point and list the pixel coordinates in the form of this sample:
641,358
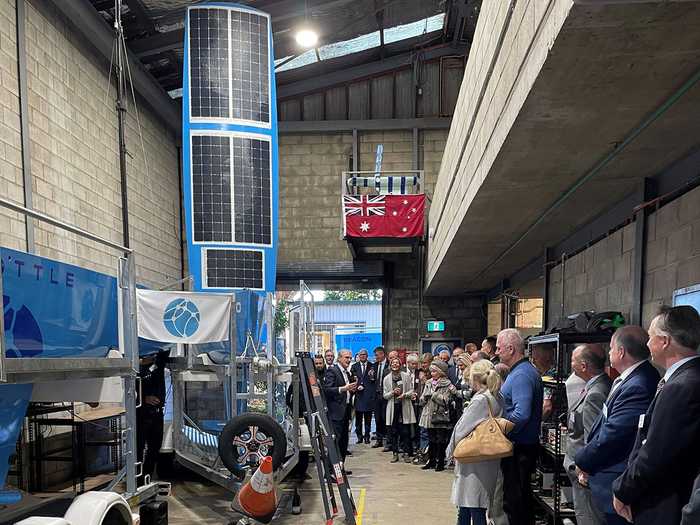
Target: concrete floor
385,494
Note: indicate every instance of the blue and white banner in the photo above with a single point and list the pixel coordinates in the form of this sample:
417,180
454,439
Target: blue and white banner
183,317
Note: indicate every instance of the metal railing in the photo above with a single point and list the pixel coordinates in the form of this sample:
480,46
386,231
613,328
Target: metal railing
390,182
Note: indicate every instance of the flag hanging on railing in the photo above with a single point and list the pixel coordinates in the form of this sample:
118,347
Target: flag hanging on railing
183,317
383,215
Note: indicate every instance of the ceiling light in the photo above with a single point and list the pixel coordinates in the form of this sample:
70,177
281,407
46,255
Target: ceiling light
307,38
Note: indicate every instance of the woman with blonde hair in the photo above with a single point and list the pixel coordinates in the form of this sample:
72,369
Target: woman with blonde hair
398,391
475,483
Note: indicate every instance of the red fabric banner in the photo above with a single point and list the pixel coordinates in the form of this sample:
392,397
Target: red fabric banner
384,215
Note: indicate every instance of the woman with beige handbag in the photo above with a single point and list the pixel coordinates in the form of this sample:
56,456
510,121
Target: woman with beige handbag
475,482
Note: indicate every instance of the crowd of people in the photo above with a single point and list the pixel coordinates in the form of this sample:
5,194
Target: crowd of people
631,451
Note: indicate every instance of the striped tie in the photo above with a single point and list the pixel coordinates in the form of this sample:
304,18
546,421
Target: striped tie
660,387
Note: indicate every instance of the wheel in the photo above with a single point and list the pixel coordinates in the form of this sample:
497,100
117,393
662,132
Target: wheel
247,439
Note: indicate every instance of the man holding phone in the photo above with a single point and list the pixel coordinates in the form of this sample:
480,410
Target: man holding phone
338,388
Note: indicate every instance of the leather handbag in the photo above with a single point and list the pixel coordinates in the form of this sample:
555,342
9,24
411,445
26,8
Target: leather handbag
486,442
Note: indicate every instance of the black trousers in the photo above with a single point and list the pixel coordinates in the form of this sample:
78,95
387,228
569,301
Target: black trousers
360,418
342,433
517,490
149,437
437,444
400,434
380,417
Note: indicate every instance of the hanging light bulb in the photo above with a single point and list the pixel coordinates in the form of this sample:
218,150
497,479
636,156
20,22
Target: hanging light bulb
307,38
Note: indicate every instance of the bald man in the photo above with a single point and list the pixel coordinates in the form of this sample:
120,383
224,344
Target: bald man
588,363
522,394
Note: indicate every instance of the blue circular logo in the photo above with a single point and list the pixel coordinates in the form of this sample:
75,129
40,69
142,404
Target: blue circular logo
181,318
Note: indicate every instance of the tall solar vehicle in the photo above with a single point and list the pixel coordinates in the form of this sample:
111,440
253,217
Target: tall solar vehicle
230,149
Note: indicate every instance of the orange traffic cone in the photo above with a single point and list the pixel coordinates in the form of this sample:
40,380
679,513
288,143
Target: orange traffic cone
257,499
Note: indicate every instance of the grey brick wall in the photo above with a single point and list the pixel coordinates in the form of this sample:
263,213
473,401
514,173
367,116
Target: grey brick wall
310,171
672,251
600,277
404,325
12,228
310,208
74,153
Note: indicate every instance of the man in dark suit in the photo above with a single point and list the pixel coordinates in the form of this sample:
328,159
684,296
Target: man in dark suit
588,363
664,462
380,369
338,390
364,397
604,457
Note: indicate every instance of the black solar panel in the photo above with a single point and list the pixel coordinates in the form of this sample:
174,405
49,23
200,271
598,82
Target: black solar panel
233,268
211,188
251,191
209,63
250,67
239,89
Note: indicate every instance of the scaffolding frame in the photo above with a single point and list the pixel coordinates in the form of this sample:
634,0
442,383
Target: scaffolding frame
38,369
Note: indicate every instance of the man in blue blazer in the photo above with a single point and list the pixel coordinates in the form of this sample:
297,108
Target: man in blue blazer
610,441
665,459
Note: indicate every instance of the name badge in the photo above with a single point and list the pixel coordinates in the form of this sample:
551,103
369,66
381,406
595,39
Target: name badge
641,421
605,411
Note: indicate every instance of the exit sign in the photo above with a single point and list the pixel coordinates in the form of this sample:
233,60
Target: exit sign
436,326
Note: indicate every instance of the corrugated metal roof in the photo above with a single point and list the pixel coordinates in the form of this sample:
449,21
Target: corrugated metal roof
335,312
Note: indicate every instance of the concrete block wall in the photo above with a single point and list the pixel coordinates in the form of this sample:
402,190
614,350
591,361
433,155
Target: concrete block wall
490,100
598,278
12,225
74,153
310,207
672,252
310,171
404,324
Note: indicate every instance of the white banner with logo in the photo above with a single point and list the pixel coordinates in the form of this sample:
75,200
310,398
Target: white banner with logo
183,317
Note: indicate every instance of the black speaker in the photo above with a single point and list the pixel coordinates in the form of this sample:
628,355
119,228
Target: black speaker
154,513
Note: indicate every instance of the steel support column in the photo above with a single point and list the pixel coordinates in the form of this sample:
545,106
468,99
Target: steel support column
545,288
646,192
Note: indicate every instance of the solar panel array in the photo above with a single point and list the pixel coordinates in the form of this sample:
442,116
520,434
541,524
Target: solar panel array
210,90
251,183
211,188
230,186
216,176
233,268
229,65
250,82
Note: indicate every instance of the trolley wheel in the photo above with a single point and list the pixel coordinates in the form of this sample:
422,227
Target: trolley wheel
247,439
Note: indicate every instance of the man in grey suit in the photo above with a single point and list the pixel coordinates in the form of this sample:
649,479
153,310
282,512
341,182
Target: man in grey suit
588,363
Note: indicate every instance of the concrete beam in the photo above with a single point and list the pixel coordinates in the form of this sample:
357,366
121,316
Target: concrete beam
329,126
371,69
88,22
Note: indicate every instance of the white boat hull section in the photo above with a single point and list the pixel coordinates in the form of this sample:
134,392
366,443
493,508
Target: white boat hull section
91,508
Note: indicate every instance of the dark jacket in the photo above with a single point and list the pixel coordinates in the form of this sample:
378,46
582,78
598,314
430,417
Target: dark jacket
364,399
665,459
335,401
611,438
379,401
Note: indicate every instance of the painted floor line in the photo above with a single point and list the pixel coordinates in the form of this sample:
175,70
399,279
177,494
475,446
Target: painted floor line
360,506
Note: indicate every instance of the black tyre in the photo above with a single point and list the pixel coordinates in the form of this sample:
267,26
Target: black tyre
247,439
